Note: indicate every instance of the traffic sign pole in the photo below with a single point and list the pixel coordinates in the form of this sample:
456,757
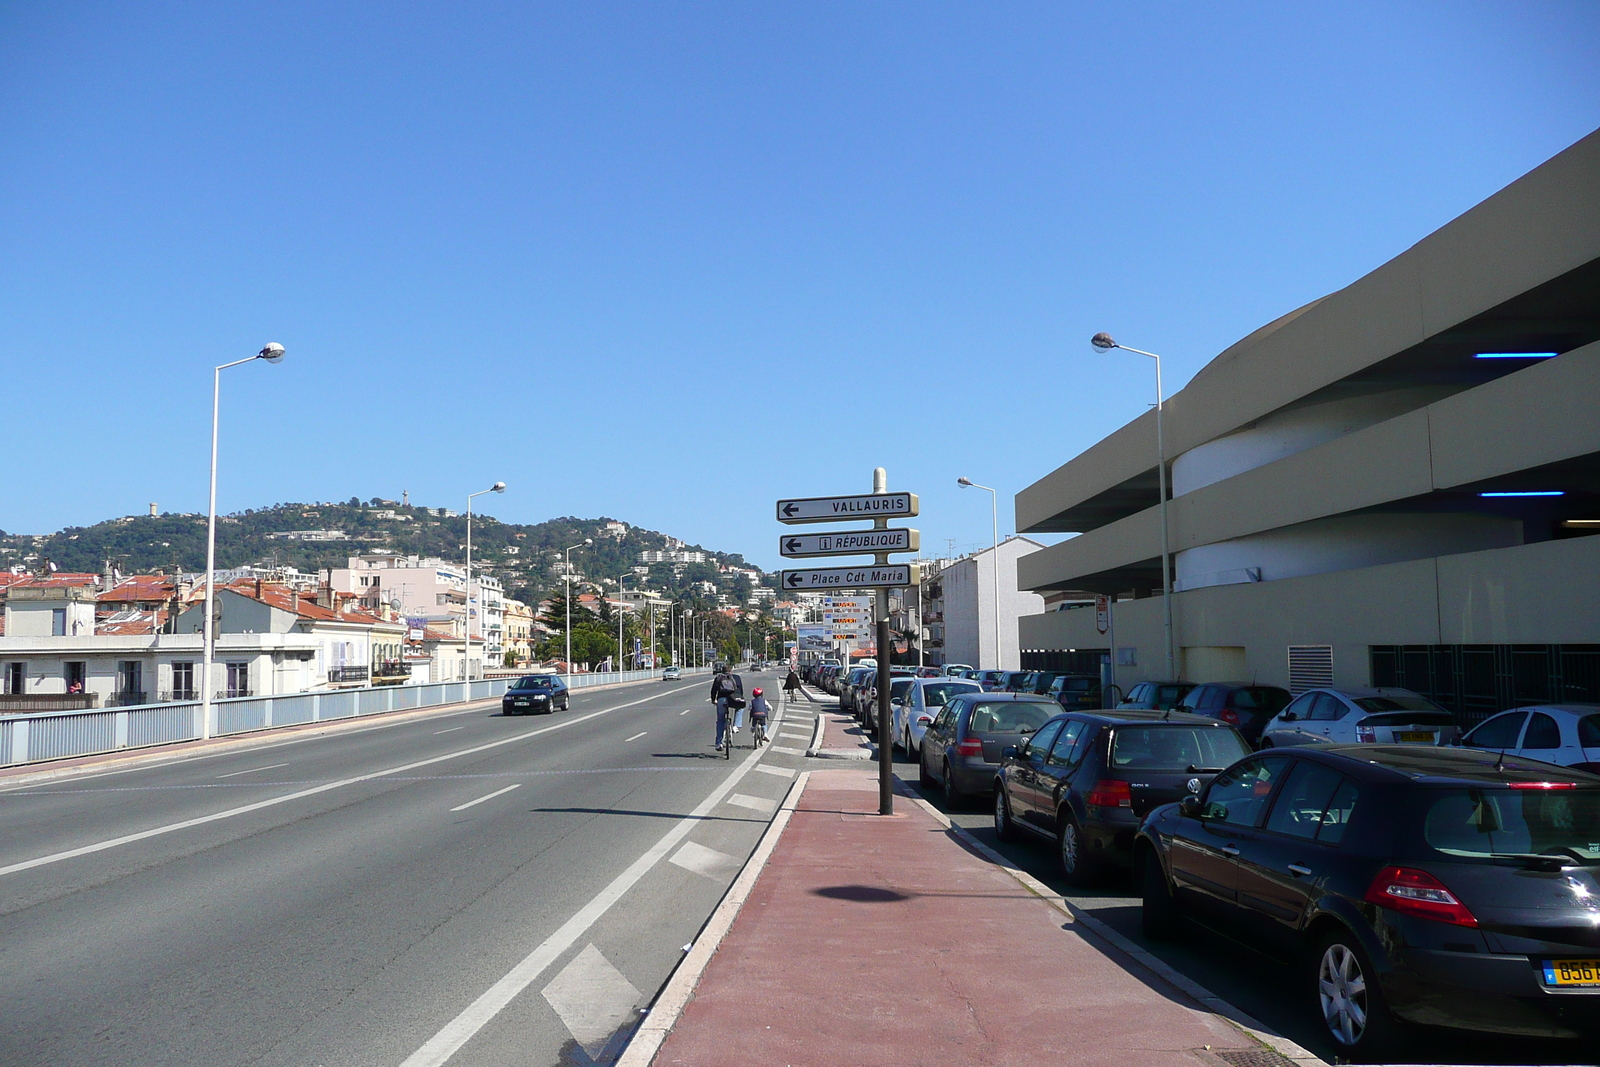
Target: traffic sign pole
880,486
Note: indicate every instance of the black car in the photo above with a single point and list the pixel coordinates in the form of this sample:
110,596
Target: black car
1086,779
1239,704
1162,696
535,693
1416,885
1074,691
961,749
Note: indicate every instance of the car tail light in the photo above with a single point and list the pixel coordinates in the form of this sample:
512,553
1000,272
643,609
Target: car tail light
970,747
1414,892
1544,785
1111,793
923,720
1229,716
1367,735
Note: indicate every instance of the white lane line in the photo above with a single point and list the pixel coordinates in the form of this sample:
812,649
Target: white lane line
452,730
252,770
490,796
771,748
781,772
636,736
740,800
685,711
476,1015
245,809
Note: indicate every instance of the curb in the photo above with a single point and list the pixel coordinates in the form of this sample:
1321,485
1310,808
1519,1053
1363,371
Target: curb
1207,1000
664,1012
816,736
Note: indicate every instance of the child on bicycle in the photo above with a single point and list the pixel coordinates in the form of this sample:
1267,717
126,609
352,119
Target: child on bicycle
759,710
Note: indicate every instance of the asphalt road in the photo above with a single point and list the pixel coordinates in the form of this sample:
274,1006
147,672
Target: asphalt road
460,887
1264,987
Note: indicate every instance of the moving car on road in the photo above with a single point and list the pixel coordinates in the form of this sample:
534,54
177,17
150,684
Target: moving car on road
1360,716
961,749
671,674
1564,734
915,702
1442,886
535,693
1086,779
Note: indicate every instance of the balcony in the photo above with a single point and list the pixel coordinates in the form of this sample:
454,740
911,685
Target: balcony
346,675
127,699
178,696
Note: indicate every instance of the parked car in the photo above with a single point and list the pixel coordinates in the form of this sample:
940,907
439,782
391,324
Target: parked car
1017,682
1446,886
1564,734
1360,716
961,748
1162,696
915,703
1086,779
1041,682
1240,704
671,674
1074,691
956,670
534,693
929,672
847,688
867,697
992,681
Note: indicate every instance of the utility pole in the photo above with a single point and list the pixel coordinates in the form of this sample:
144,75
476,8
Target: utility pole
880,484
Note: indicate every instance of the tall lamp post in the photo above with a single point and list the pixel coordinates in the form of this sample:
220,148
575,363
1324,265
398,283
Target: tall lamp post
621,608
272,352
497,487
1103,343
994,515
567,574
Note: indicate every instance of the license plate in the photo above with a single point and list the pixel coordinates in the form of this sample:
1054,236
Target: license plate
1572,972
1408,737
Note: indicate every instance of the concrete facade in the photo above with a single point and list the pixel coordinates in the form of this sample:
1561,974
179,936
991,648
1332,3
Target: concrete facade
1354,480
962,602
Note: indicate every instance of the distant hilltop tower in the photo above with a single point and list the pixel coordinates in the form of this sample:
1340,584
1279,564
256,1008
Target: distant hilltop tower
152,511
405,498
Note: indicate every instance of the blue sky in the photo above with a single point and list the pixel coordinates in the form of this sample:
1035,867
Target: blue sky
669,262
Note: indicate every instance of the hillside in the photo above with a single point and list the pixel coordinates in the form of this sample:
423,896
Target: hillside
522,556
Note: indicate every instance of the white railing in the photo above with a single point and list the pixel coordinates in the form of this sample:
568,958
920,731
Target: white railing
50,735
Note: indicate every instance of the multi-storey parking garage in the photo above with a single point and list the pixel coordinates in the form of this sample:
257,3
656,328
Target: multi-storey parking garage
1396,484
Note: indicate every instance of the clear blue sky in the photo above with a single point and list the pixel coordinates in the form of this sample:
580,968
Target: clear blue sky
670,262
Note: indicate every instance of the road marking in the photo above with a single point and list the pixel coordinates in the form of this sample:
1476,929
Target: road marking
636,736
775,748
781,772
245,809
706,862
452,730
490,796
740,800
252,770
595,1001
685,711
456,1033
794,733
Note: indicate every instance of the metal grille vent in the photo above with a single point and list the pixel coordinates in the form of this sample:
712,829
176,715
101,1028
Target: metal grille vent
1254,1057
1310,667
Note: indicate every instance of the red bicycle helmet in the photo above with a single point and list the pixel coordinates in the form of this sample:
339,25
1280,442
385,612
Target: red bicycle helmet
755,692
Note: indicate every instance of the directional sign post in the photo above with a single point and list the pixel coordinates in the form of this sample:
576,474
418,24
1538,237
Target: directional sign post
849,542
846,508
866,576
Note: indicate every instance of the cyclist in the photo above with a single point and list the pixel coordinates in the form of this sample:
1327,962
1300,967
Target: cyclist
759,711
727,689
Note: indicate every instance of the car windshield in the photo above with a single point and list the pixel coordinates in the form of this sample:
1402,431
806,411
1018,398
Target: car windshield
1396,703
1263,698
1175,747
534,681
1495,820
1009,717
938,695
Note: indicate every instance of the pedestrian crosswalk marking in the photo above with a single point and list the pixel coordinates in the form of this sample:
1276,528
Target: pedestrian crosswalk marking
595,1001
782,772
739,800
707,862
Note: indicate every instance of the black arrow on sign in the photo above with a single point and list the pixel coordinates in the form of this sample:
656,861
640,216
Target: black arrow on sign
794,580
792,545
789,510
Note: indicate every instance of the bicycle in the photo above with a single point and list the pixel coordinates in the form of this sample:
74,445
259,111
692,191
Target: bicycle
758,732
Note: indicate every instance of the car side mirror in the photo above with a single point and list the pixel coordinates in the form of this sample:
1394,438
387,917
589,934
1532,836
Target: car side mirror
1288,716
1190,806
1010,752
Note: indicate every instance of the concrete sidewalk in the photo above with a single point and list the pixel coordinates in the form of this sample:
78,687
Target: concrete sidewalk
867,939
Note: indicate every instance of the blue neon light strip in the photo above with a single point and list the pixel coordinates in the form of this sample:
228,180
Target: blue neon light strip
1531,492
1515,355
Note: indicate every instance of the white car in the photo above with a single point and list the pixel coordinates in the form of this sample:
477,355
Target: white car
953,670
1566,734
1360,716
670,674
915,702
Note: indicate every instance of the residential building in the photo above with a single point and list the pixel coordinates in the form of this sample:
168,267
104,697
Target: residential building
1397,484
963,599
430,589
518,619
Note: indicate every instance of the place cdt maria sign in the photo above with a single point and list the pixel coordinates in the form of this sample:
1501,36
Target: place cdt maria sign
864,576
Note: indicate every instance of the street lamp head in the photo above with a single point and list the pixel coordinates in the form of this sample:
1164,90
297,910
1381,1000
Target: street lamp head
498,487
272,352
1103,342
588,540
964,482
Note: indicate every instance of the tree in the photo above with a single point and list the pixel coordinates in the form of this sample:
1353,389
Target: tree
729,650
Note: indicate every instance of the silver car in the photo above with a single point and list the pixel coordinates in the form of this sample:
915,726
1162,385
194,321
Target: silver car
1360,716
915,702
1565,734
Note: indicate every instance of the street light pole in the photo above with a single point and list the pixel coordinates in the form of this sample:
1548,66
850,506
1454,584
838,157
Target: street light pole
497,487
272,353
994,516
567,574
1104,343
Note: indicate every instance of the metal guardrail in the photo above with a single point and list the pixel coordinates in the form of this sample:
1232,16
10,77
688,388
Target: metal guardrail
49,735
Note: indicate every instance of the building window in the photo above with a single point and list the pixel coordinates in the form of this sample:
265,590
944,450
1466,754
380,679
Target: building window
76,674
183,681
16,678
130,682
58,622
239,679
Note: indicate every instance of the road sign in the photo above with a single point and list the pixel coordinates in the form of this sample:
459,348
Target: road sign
866,576
1102,613
846,508
849,542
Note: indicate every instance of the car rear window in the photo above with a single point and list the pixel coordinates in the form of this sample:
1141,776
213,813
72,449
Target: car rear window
1262,698
1589,731
1009,717
1077,685
899,688
1396,703
1479,823
1175,747
938,694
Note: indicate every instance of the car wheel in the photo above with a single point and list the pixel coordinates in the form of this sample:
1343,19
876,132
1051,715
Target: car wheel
953,797
1348,998
1004,828
1076,863
1159,916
